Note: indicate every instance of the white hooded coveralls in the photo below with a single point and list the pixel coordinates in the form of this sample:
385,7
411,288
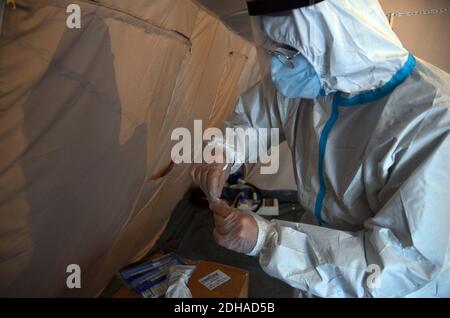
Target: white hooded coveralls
371,159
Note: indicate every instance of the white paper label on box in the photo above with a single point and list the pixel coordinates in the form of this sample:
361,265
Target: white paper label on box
214,280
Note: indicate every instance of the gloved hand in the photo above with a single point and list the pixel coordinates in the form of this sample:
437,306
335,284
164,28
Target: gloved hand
234,229
211,178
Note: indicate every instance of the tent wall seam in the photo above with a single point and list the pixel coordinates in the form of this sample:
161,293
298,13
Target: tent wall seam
125,17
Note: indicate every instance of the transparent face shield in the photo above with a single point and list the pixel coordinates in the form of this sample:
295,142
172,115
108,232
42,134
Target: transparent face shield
267,49
282,64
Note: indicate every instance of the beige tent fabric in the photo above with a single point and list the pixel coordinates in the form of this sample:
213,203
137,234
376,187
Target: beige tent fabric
85,122
426,36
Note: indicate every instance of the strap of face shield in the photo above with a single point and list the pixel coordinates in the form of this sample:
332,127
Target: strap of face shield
263,7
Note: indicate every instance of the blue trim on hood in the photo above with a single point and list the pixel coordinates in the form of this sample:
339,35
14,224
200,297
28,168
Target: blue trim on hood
364,98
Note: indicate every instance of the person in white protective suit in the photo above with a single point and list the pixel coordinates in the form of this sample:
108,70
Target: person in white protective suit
368,125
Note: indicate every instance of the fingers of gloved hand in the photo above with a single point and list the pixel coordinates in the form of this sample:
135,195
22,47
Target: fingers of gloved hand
223,219
209,177
192,172
196,172
203,176
213,184
223,177
236,240
237,230
227,240
226,224
221,208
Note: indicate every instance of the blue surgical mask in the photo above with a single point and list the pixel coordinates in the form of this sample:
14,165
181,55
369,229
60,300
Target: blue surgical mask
299,80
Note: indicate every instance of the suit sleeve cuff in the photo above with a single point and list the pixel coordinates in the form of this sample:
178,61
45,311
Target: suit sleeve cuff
263,229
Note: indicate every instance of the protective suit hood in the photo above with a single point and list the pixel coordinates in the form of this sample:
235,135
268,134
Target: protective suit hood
350,44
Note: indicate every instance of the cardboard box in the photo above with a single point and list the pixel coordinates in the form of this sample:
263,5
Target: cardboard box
235,286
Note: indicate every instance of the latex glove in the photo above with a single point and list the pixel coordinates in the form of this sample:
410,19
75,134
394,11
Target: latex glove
178,279
210,178
234,229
